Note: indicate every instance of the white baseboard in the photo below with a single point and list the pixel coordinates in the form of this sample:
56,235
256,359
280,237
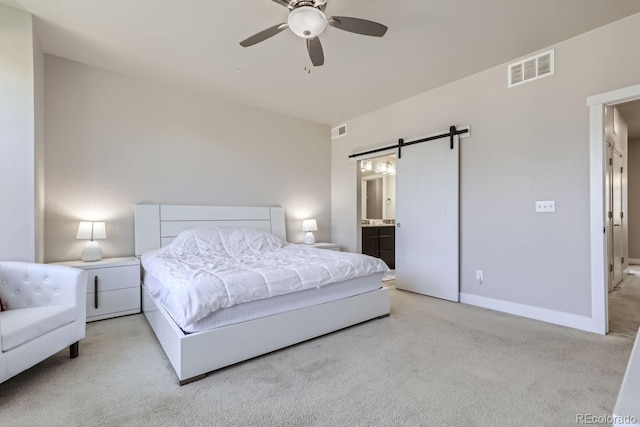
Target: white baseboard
543,314
634,261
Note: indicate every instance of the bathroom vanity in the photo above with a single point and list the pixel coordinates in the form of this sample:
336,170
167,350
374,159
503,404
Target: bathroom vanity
380,241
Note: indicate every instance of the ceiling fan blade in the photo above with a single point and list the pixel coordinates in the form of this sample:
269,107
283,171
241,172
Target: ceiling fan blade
315,51
358,26
284,3
263,35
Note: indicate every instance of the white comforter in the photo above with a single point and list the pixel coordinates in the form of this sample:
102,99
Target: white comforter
206,269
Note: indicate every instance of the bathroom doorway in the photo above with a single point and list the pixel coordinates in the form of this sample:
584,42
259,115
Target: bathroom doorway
377,207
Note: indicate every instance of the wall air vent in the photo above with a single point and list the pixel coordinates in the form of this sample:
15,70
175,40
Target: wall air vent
338,131
536,67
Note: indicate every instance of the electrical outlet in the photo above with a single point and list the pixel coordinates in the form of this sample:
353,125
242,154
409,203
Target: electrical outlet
479,277
546,206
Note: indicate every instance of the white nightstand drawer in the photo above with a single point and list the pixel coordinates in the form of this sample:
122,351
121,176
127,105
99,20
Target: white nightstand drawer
113,303
116,292
113,278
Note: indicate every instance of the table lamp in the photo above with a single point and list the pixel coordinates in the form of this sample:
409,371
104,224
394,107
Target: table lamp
309,225
91,231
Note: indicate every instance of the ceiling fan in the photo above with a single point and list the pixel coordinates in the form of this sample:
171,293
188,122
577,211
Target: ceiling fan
307,20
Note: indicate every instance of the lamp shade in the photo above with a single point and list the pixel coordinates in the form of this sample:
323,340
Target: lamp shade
88,230
309,225
307,21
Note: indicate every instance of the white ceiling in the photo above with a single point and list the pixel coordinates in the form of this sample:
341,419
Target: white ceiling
195,43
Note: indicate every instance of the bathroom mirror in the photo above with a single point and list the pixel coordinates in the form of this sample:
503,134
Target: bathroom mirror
378,188
373,207
378,197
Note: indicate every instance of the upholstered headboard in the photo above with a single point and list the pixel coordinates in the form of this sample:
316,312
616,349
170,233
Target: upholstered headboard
157,225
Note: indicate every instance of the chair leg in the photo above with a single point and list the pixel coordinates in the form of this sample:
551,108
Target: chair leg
73,350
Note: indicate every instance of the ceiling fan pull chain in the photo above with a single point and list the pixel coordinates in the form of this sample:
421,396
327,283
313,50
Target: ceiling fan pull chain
307,65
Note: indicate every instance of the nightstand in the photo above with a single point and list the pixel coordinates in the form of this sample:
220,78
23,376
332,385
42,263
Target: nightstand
326,245
113,288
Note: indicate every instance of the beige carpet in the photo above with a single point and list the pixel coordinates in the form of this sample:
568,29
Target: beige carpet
431,363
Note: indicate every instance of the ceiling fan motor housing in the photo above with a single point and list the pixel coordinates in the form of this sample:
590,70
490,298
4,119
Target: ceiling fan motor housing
312,3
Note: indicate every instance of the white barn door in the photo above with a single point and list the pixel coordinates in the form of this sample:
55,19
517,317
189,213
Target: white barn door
427,194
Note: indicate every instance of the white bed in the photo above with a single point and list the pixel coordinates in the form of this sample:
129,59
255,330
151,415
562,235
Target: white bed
193,355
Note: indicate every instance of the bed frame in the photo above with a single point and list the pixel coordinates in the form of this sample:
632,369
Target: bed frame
194,355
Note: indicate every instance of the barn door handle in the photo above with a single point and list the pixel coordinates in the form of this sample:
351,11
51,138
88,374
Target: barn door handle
616,225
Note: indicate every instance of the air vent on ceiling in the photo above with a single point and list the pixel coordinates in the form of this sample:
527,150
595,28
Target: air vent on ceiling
533,68
338,131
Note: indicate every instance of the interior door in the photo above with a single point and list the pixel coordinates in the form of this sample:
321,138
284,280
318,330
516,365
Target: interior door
609,214
427,219
618,217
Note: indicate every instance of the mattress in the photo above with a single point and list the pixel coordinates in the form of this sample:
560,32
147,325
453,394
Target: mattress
268,307
208,269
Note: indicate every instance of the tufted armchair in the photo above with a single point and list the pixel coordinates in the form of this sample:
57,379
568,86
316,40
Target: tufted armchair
46,312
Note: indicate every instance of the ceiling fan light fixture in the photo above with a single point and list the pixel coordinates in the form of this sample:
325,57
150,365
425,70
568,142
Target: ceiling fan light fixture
307,22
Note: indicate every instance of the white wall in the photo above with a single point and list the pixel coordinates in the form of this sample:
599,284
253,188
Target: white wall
17,136
390,194
115,140
527,143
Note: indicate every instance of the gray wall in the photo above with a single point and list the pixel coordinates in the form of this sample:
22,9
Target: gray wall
114,140
527,143
634,198
17,137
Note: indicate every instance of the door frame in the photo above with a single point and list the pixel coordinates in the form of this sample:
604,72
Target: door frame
617,207
597,171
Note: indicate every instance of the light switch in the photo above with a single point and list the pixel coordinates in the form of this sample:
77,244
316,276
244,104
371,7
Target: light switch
546,206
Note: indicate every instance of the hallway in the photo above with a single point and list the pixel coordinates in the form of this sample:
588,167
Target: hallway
624,305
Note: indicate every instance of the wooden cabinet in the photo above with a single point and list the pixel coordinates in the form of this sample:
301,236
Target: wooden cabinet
113,287
380,242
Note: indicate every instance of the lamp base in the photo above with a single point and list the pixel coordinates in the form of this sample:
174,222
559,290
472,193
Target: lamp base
309,239
91,251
